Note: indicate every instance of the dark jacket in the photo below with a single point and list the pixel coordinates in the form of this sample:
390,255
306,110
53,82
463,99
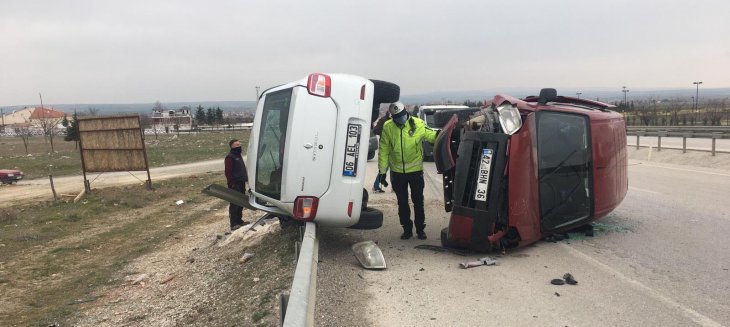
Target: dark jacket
235,167
378,129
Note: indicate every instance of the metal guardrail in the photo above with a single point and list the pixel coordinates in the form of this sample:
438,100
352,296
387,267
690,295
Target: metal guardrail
298,309
710,132
684,135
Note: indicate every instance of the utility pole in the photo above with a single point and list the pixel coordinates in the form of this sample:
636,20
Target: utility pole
625,90
697,98
578,94
44,123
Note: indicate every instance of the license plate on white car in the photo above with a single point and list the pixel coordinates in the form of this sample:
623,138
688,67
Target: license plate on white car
352,150
480,194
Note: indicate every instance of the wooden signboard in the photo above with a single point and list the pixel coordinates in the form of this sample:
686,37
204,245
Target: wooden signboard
112,143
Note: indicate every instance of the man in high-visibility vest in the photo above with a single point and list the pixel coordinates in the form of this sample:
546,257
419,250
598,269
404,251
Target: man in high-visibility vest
400,150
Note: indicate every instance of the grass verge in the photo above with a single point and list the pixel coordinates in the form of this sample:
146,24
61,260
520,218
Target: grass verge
56,257
162,150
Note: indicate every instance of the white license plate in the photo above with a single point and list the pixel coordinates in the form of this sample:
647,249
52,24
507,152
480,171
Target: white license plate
352,150
480,194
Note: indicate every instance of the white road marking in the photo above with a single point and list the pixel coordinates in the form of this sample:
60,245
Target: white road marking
643,190
686,311
689,170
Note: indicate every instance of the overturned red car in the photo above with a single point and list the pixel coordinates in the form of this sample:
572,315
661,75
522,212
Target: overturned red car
522,169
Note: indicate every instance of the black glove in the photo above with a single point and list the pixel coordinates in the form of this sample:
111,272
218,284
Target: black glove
383,180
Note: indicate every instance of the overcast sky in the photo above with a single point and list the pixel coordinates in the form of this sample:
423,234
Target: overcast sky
141,51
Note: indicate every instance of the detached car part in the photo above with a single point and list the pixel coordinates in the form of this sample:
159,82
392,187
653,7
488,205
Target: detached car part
369,255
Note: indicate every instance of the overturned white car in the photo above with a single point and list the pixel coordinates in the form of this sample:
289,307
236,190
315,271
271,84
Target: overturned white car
308,150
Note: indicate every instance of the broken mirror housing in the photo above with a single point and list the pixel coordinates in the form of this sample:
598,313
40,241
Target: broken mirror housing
509,118
369,255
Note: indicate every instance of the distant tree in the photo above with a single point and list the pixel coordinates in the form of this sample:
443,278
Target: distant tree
92,111
158,106
675,106
146,122
210,116
646,114
715,110
72,129
200,115
218,115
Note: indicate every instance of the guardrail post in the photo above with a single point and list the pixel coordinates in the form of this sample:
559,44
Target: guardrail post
684,144
659,138
637,141
715,135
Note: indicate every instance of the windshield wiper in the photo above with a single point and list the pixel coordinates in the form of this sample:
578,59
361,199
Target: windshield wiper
560,165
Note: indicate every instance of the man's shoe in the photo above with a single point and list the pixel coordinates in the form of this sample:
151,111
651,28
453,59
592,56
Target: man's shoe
234,227
406,235
421,235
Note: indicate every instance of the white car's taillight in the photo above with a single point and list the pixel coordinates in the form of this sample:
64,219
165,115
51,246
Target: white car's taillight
305,207
319,85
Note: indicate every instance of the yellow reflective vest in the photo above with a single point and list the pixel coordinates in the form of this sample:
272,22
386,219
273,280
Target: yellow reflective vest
401,147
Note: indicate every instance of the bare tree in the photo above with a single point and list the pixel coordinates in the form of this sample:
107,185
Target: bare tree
24,133
93,111
674,107
147,123
646,112
48,125
714,111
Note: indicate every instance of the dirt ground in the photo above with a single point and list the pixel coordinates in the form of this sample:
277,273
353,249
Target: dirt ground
120,259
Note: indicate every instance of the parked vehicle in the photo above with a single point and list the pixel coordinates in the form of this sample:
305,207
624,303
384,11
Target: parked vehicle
520,170
427,113
308,149
10,176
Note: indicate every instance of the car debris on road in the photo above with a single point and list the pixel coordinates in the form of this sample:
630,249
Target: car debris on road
486,261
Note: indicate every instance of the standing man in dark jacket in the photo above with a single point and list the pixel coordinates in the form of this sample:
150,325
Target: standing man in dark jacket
237,179
401,150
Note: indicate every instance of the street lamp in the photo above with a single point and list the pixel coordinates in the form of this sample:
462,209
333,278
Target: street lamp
625,90
578,94
697,98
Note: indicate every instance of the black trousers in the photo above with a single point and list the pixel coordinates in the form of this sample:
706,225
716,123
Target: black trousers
235,213
401,182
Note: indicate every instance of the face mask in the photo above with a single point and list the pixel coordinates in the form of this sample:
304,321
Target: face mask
401,120
236,150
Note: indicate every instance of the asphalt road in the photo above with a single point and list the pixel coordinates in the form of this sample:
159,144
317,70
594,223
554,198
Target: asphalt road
660,259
